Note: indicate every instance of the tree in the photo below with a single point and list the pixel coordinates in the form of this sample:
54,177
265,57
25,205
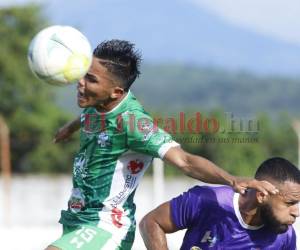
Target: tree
27,104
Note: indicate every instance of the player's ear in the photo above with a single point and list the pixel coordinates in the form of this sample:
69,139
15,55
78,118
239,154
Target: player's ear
117,92
261,197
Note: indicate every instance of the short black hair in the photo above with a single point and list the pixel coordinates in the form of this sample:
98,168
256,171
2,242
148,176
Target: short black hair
278,169
121,59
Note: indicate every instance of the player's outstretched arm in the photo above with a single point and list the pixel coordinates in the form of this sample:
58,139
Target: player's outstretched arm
66,131
155,225
206,171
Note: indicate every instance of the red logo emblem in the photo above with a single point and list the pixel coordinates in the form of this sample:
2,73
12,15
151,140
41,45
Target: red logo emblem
116,216
135,166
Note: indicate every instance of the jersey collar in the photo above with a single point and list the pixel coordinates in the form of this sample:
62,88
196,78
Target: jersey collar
239,216
111,112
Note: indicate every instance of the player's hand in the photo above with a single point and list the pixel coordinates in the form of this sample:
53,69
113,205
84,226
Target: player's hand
240,185
63,134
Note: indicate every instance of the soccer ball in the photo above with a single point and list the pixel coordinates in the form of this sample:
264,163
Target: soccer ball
59,55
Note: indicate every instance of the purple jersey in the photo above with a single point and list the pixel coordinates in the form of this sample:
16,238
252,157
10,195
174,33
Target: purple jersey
213,221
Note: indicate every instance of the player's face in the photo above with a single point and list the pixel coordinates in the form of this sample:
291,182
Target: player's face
282,210
96,88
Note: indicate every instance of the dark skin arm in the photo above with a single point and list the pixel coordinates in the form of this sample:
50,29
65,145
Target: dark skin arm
192,165
155,225
65,132
204,170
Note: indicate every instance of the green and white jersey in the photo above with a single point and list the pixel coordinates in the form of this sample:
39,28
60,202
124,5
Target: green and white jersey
116,148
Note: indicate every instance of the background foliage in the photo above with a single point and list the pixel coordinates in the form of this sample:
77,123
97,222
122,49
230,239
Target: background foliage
27,104
34,110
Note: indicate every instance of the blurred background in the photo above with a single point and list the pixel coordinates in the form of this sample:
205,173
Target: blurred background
234,61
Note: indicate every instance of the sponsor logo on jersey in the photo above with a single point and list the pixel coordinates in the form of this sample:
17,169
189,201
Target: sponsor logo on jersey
103,140
79,168
207,238
122,195
135,166
76,202
195,248
147,129
116,216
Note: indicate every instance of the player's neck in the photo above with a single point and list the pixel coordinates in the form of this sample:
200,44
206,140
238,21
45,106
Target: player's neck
249,210
110,104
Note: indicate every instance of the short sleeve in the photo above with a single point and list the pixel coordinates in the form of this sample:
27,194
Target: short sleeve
186,208
144,136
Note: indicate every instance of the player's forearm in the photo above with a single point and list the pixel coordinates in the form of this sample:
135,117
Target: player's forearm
153,235
204,170
74,125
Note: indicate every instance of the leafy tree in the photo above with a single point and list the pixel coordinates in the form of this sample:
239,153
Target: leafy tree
27,104
240,151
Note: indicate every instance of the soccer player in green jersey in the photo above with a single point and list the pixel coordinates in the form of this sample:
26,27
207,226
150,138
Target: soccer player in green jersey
118,141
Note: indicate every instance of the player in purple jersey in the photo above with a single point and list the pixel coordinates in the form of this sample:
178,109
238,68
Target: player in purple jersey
219,218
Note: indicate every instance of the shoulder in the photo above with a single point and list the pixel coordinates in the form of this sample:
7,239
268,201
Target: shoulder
210,195
288,239
133,105
135,117
290,235
216,190
196,204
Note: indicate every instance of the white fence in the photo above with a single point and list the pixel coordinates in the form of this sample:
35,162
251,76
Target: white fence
36,201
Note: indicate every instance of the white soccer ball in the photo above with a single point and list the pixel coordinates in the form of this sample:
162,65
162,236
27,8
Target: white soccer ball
60,55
